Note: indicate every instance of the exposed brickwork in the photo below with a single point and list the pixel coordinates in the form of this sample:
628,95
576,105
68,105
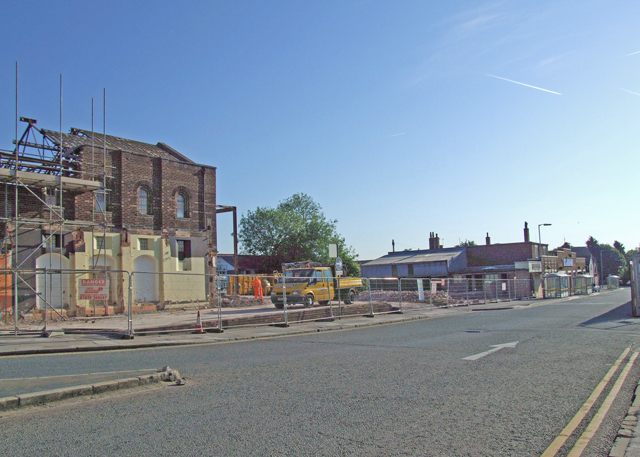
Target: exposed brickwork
500,254
163,173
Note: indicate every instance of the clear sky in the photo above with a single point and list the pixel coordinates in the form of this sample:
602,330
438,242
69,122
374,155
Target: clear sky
398,117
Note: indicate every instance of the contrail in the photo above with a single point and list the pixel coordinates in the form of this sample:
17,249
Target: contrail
637,52
634,93
526,85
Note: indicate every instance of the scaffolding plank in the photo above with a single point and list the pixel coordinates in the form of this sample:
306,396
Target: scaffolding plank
43,180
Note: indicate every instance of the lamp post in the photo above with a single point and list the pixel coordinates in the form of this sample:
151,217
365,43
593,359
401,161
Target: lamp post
540,243
539,239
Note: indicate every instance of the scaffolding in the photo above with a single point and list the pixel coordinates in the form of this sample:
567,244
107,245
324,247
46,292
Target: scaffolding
45,169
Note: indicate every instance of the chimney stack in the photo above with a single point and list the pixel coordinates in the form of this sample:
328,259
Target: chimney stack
487,239
436,242
526,232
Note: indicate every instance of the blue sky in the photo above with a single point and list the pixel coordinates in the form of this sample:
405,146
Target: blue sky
391,115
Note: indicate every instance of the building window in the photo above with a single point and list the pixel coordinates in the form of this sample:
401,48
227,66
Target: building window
99,242
410,268
100,201
143,244
394,271
143,201
52,241
182,203
51,197
184,249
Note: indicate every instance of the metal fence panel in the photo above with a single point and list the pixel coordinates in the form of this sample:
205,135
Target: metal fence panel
68,300
142,302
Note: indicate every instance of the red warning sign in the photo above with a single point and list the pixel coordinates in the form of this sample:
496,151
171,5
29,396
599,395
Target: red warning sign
93,289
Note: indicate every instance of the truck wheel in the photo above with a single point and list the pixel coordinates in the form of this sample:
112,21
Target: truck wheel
308,301
323,302
278,305
351,297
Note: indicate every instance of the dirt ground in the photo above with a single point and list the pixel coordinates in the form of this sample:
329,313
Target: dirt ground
178,314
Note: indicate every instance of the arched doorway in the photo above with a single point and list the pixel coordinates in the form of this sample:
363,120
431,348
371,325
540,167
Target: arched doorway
145,279
55,288
106,264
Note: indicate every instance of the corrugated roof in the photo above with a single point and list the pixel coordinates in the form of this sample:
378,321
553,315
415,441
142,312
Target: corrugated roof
416,257
79,137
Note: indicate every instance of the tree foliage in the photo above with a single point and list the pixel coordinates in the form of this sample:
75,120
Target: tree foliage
566,245
466,243
294,231
610,259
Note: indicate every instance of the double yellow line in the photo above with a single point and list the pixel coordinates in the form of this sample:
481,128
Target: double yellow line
595,423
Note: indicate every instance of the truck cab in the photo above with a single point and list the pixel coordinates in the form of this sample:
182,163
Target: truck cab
310,282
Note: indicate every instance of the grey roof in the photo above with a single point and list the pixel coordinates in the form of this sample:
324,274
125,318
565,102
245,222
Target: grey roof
582,251
425,256
79,137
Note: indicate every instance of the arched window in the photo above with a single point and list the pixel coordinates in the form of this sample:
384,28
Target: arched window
183,205
143,201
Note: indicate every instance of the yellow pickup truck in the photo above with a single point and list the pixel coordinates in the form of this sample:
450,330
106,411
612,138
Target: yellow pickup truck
308,282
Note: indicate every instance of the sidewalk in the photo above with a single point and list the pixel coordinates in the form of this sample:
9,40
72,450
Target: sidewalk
59,342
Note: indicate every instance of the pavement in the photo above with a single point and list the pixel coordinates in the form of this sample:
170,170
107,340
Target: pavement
61,342
627,442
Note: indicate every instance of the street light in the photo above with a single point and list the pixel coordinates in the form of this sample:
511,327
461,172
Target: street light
539,239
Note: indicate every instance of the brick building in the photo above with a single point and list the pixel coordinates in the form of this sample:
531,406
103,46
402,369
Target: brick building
525,260
99,202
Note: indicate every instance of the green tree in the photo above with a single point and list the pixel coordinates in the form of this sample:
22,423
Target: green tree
566,245
609,259
294,231
466,243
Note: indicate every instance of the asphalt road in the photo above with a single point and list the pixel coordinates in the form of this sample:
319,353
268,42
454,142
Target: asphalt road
403,389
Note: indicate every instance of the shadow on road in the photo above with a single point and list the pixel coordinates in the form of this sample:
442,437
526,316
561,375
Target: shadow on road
617,318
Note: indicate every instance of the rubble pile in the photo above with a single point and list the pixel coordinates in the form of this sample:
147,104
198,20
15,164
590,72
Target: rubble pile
409,296
240,301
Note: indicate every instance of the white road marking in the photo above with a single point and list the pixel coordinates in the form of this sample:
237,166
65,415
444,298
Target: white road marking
496,348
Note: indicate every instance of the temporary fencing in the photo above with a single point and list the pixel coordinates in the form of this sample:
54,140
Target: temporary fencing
73,300
140,302
443,292
635,285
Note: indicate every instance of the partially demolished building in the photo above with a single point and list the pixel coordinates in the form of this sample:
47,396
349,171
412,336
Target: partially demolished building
89,201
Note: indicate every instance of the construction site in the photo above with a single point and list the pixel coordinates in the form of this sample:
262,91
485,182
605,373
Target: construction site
81,211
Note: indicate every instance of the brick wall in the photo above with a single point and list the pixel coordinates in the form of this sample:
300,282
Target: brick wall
163,179
126,172
499,254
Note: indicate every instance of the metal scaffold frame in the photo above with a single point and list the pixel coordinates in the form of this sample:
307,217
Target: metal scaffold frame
42,166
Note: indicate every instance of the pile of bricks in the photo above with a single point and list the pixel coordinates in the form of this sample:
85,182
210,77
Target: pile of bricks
240,301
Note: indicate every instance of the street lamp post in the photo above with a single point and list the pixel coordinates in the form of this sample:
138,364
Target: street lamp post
542,272
540,239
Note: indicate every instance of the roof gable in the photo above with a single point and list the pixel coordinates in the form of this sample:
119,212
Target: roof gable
79,138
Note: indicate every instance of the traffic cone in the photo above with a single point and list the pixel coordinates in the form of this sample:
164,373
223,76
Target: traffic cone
106,308
199,324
